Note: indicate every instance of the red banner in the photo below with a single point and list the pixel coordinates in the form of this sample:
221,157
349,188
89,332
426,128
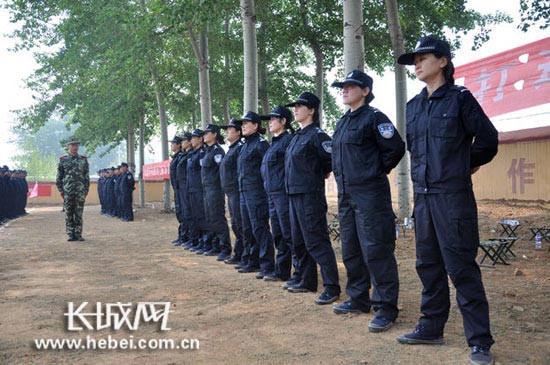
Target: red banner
38,189
511,80
157,170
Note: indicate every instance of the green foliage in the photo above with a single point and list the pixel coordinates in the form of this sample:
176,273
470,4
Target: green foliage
97,71
534,12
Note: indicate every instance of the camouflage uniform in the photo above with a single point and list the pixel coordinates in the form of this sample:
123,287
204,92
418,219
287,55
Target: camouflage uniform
73,181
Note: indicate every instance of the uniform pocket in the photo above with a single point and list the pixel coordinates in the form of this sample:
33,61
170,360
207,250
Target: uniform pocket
445,126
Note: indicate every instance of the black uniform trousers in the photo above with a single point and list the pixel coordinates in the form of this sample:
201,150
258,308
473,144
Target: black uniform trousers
177,205
367,232
258,241
447,241
234,205
197,226
282,234
310,237
215,216
184,214
127,206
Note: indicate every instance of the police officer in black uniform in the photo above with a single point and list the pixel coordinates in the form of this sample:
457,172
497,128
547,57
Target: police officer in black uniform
175,147
449,138
198,230
365,148
273,173
213,193
110,192
307,164
259,251
230,185
128,186
183,197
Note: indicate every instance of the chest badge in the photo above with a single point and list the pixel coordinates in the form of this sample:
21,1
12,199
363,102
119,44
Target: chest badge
386,130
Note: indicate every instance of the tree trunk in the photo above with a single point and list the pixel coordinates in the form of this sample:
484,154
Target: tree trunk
227,64
250,46
398,47
167,202
141,159
131,149
319,76
201,53
354,44
263,76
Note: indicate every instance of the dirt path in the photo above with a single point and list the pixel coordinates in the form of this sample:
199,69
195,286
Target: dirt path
237,318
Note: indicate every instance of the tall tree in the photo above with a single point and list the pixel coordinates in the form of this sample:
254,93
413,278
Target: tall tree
398,48
250,51
354,42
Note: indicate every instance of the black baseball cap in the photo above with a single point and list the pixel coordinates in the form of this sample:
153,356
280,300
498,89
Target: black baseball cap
124,164
279,112
176,139
251,117
233,123
187,136
197,133
308,99
212,128
355,77
427,44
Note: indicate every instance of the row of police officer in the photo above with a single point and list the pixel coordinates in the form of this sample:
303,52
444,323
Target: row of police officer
13,193
115,188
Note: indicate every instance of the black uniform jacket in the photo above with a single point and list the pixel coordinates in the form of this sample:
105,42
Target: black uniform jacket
447,134
228,168
308,161
273,165
250,161
211,167
365,148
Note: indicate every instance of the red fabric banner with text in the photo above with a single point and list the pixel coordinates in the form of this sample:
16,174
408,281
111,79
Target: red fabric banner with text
157,170
511,80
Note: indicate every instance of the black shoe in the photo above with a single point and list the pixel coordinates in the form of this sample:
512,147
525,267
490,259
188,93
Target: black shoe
70,239
177,240
299,289
380,324
263,274
420,337
239,266
79,238
480,356
223,257
349,306
232,260
273,277
290,283
247,269
212,252
326,298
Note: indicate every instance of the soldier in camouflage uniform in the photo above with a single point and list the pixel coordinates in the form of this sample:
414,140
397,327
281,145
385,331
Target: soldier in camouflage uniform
73,182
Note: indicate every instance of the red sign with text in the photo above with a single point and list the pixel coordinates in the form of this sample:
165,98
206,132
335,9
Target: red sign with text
157,170
511,80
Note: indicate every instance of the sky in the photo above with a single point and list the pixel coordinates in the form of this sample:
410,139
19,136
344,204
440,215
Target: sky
15,67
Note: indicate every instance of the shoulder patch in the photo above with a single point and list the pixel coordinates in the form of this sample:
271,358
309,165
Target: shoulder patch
387,130
319,130
218,158
63,156
374,110
327,146
83,156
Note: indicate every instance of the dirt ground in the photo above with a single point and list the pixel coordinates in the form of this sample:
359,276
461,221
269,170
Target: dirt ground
237,318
